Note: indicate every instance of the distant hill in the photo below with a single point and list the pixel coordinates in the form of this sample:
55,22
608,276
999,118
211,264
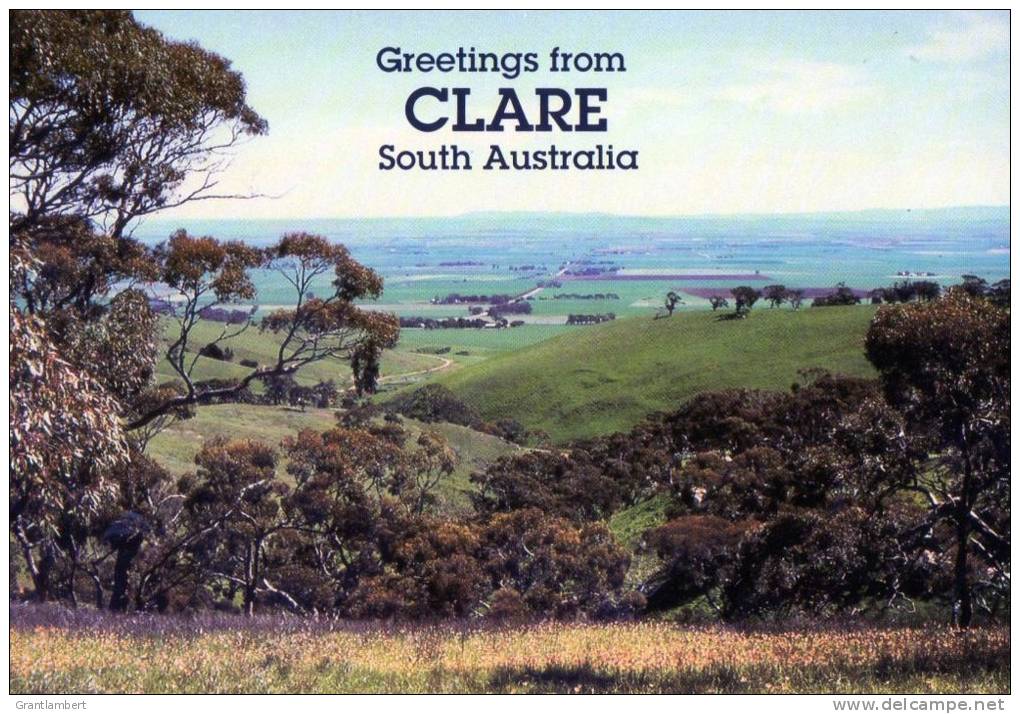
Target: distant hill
600,379
538,226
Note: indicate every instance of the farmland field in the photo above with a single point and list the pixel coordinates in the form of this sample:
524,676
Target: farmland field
640,259
63,651
575,381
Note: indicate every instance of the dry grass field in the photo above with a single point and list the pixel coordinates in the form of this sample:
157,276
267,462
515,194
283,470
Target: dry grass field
60,651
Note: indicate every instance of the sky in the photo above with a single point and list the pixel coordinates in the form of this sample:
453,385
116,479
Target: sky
731,112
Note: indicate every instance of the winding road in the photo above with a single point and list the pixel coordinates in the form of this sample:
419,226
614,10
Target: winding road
445,364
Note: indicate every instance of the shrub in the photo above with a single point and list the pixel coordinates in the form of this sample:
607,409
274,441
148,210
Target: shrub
511,308
566,485
590,319
555,567
506,429
842,295
435,403
506,604
214,351
697,554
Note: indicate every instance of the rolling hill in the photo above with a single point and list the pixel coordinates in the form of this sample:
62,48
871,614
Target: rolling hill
600,379
176,447
262,347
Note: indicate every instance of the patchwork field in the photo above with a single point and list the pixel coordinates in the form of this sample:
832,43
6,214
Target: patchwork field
54,650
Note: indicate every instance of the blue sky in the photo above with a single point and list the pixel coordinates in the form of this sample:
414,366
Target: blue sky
731,112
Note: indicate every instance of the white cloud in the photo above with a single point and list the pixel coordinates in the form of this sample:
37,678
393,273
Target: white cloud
801,87
979,37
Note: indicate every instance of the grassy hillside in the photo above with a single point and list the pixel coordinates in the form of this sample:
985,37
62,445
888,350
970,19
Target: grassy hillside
176,447
599,379
262,347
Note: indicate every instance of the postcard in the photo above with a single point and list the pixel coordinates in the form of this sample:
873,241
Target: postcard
495,352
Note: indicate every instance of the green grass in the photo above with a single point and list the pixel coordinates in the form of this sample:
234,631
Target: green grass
262,347
570,382
600,379
484,342
408,291
629,525
466,347
474,450
176,447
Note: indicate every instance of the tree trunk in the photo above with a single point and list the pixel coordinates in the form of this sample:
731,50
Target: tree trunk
28,555
251,577
963,607
97,591
41,576
249,599
125,556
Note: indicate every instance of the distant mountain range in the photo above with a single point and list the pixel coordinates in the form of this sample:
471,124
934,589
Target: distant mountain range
964,221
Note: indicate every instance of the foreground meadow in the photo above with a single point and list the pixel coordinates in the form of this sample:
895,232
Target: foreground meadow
58,651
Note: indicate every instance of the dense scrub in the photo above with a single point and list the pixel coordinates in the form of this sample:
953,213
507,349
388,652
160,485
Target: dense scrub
836,497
